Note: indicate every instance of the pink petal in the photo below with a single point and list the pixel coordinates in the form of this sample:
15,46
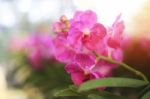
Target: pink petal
104,68
74,38
35,59
96,40
84,60
77,15
61,51
77,25
89,18
101,47
73,68
98,31
117,54
118,28
65,56
113,43
78,78
77,74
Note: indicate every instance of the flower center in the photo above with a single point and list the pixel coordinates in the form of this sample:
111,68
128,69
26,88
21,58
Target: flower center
86,73
86,31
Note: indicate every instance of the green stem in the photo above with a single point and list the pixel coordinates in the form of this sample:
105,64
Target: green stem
138,73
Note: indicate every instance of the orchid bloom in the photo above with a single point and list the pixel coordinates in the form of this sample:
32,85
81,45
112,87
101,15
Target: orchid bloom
79,38
85,68
39,49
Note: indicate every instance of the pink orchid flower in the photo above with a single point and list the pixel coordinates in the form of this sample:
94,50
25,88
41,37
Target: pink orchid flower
86,68
39,49
78,41
85,31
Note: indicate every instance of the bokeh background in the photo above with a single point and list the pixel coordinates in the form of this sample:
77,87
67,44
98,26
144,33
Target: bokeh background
21,18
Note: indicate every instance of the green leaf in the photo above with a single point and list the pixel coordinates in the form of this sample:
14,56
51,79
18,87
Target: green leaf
66,92
73,88
146,96
106,94
112,82
93,96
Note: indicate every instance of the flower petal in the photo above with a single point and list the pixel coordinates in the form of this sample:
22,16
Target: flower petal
65,56
117,54
113,43
84,60
89,18
98,31
35,58
62,52
74,38
78,78
73,68
103,68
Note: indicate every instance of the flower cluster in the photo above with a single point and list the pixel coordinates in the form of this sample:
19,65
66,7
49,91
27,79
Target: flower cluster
36,47
81,40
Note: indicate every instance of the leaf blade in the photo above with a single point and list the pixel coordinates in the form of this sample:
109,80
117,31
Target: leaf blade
146,96
112,82
66,92
106,94
93,96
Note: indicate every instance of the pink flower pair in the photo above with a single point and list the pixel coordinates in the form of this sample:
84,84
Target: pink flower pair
39,49
85,67
79,38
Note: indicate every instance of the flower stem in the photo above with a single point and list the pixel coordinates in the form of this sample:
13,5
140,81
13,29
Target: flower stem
138,73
